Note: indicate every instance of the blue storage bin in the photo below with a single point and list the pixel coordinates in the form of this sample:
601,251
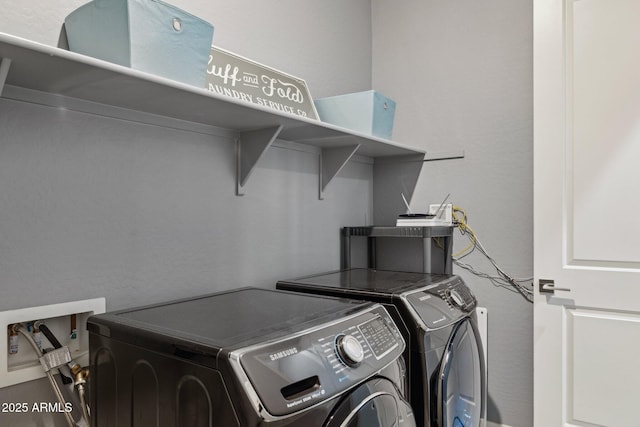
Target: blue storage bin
367,112
147,35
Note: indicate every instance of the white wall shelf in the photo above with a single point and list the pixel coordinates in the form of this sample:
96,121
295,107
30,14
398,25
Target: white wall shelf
82,80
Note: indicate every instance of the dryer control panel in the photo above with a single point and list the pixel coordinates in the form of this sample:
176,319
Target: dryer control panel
320,363
441,304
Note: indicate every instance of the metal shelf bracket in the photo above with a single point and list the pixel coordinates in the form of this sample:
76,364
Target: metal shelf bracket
332,160
5,63
250,147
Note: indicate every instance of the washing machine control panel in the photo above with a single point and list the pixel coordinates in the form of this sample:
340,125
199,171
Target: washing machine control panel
349,350
305,369
441,304
457,294
379,337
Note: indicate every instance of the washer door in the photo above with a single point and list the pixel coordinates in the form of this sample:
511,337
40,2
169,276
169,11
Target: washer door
375,403
460,381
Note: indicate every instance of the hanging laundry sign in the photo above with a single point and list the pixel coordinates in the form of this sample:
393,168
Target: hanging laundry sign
231,75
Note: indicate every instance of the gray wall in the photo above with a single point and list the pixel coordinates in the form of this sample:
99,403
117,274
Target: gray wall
461,73
93,206
327,43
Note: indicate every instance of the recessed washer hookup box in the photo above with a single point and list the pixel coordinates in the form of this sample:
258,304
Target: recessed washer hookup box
147,35
368,112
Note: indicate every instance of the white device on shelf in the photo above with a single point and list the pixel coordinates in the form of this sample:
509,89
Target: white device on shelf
438,215
445,216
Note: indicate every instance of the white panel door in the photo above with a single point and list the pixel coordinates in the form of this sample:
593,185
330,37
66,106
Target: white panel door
586,201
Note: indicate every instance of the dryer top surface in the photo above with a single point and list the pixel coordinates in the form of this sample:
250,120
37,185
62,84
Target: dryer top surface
228,319
369,281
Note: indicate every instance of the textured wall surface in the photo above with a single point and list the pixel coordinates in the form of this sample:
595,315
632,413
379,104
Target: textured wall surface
93,206
326,43
461,73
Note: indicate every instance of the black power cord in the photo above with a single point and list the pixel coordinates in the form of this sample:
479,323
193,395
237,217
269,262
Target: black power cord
56,344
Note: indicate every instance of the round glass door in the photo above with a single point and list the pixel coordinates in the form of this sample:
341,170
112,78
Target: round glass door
375,403
461,377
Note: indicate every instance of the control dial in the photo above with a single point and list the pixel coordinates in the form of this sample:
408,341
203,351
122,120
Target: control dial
455,298
349,350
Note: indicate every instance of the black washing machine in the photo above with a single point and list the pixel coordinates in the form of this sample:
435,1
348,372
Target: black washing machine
436,315
249,357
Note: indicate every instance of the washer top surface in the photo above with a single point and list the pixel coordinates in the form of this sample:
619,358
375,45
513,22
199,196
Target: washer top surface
228,319
372,281
436,300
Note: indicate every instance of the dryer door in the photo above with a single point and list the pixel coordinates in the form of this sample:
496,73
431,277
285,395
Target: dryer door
460,381
376,403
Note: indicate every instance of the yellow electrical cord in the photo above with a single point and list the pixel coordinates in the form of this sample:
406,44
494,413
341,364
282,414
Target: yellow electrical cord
461,223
